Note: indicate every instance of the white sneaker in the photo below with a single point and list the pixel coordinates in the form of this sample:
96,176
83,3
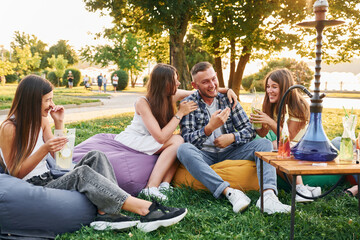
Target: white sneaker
238,199
165,187
304,191
272,204
315,191
153,192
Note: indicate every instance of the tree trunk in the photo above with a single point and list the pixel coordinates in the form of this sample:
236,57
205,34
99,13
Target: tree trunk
244,59
232,63
218,65
177,53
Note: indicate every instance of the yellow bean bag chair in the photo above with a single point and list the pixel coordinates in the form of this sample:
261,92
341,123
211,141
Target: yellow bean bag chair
241,174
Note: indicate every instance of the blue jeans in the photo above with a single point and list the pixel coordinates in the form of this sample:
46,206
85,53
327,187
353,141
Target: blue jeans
94,176
198,162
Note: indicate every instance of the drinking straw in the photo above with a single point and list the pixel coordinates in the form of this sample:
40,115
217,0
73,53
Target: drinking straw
346,115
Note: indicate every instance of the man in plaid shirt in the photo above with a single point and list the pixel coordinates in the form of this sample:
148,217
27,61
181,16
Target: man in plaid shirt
213,133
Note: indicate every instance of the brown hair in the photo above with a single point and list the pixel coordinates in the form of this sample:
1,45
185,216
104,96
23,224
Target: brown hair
200,67
160,90
298,107
25,115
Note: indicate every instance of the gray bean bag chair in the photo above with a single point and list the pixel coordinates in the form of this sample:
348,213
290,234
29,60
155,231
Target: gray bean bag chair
34,212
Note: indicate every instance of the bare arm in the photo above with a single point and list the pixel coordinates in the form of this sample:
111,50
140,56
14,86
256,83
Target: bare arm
7,144
161,135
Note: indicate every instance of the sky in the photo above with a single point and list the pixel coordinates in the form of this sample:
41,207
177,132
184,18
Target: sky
50,21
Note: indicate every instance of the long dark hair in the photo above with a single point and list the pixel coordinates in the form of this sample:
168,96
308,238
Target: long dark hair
298,107
160,90
25,114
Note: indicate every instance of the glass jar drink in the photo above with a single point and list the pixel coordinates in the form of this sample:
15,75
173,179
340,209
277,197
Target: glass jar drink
284,147
64,156
256,125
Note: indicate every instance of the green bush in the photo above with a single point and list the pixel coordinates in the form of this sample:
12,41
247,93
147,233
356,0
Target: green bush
11,78
145,80
51,76
123,79
247,81
258,85
77,75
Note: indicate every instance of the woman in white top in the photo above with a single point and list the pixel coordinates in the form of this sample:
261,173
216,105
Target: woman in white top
154,123
277,83
26,140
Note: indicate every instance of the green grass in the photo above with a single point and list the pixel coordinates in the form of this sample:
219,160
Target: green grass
62,95
332,217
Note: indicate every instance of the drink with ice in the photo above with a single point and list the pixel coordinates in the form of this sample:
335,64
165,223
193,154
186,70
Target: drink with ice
64,156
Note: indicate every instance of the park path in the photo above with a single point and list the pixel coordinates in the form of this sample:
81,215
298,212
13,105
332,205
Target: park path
119,102
122,102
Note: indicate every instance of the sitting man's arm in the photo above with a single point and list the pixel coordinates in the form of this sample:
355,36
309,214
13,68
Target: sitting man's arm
193,129
244,132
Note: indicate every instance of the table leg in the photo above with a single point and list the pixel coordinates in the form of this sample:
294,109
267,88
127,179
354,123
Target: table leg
293,194
358,195
262,186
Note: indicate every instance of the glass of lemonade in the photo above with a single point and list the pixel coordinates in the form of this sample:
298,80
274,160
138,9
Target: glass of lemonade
64,156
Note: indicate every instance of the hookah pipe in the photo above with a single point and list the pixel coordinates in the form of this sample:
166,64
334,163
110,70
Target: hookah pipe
278,138
281,106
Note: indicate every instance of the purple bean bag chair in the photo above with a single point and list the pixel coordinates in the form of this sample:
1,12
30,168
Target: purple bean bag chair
132,168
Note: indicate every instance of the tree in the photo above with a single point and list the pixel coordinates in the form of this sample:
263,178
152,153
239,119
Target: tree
251,29
194,52
21,40
156,17
301,72
58,64
63,48
25,62
125,51
6,68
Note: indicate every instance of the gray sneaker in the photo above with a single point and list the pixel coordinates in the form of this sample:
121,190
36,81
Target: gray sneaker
160,215
272,204
238,199
109,221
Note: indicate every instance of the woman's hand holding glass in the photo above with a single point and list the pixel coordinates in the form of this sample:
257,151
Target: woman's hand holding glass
260,117
56,144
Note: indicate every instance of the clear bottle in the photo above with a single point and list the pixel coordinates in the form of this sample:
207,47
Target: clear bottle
347,144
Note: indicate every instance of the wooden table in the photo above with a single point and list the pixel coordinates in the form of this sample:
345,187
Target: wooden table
296,167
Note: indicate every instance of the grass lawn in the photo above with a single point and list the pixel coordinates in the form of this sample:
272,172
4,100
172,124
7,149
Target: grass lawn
62,95
332,217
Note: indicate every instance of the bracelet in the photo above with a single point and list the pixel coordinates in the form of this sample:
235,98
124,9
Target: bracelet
177,117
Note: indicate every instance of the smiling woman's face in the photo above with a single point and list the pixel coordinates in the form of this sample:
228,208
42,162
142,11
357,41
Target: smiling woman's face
273,91
47,104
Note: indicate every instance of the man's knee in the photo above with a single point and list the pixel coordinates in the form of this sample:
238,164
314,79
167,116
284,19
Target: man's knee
183,151
264,145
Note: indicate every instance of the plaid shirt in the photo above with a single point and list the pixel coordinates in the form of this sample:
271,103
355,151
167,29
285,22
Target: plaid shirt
193,125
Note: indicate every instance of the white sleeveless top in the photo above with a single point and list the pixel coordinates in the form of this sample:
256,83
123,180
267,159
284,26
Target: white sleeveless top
42,165
137,137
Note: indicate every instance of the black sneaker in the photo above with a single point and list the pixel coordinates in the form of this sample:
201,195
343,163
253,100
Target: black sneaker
160,216
109,221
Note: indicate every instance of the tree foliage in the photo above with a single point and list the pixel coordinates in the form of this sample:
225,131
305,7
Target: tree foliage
63,48
25,62
302,74
155,18
22,40
125,51
58,65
